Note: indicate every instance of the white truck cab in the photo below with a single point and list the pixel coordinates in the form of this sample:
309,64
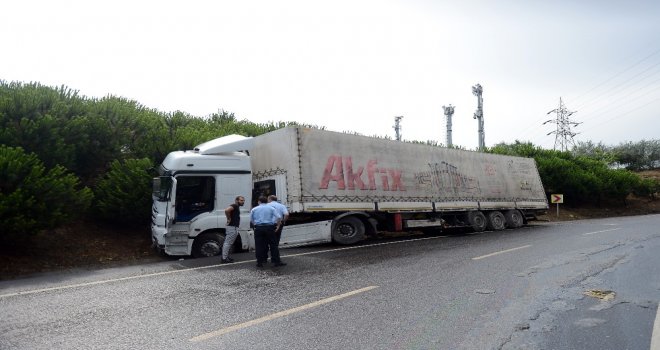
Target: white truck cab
194,189
191,194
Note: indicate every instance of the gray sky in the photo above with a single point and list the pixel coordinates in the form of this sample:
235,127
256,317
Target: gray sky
354,65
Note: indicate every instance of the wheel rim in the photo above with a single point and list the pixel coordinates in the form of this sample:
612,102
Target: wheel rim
517,219
210,248
346,230
498,222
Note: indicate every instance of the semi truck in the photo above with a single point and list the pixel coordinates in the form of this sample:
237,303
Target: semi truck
338,187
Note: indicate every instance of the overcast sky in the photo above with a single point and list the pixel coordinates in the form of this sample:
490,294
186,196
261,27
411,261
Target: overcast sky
355,65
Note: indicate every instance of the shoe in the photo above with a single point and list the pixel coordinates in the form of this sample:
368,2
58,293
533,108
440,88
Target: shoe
230,260
279,264
260,265
226,261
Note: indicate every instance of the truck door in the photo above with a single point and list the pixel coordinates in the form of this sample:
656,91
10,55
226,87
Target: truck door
177,232
170,212
195,195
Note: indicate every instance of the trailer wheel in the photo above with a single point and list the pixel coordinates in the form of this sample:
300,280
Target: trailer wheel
496,221
477,220
348,230
513,218
208,244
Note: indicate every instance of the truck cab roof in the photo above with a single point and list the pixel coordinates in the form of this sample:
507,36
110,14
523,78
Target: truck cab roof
194,162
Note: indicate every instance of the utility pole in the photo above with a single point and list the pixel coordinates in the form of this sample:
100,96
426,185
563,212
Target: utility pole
563,133
397,127
479,114
449,112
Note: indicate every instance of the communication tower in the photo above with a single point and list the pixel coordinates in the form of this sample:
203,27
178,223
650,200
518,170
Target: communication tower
477,90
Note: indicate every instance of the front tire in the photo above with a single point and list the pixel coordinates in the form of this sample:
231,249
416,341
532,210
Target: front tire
348,230
207,245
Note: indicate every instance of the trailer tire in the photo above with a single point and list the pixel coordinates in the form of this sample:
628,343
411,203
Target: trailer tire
207,245
514,218
477,220
348,230
496,221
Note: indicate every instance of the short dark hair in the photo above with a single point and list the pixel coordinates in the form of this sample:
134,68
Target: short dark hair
239,197
263,199
272,197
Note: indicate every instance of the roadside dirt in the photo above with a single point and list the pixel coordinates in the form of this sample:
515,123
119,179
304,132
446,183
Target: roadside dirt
91,246
82,245
635,206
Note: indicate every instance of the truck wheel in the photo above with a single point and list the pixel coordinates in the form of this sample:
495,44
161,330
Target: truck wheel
496,221
477,220
348,230
513,218
208,244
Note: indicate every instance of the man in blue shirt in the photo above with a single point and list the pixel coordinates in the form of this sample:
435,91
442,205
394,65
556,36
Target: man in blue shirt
281,208
266,221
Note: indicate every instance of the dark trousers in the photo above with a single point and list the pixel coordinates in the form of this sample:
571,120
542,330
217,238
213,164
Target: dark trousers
278,234
265,239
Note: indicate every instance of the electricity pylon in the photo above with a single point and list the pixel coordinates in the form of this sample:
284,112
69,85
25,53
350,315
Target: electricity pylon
563,134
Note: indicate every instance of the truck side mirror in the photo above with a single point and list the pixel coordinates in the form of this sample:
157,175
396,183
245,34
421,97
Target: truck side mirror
161,187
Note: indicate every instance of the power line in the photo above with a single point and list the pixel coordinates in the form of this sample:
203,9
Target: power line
619,103
615,75
623,114
533,127
623,83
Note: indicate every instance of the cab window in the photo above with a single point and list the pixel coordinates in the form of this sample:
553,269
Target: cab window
194,195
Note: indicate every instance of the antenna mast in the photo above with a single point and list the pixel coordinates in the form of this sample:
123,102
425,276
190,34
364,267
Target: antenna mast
449,112
479,114
397,127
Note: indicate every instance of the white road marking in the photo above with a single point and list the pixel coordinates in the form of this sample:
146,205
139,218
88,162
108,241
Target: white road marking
500,252
69,286
591,233
270,317
655,336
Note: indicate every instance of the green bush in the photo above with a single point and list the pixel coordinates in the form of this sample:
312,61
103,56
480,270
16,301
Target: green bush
647,188
123,195
33,199
583,176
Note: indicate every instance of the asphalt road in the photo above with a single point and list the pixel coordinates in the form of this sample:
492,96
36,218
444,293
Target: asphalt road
514,289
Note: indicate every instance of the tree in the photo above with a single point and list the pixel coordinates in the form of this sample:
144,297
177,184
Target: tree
598,151
642,155
123,195
33,198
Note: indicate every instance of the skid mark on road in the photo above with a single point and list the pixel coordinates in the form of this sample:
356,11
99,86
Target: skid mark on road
276,315
591,233
501,252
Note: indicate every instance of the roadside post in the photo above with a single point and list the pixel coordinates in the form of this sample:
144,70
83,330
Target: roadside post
557,198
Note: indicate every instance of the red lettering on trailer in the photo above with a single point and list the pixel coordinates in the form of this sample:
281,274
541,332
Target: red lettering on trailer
340,169
396,180
352,178
371,169
329,176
